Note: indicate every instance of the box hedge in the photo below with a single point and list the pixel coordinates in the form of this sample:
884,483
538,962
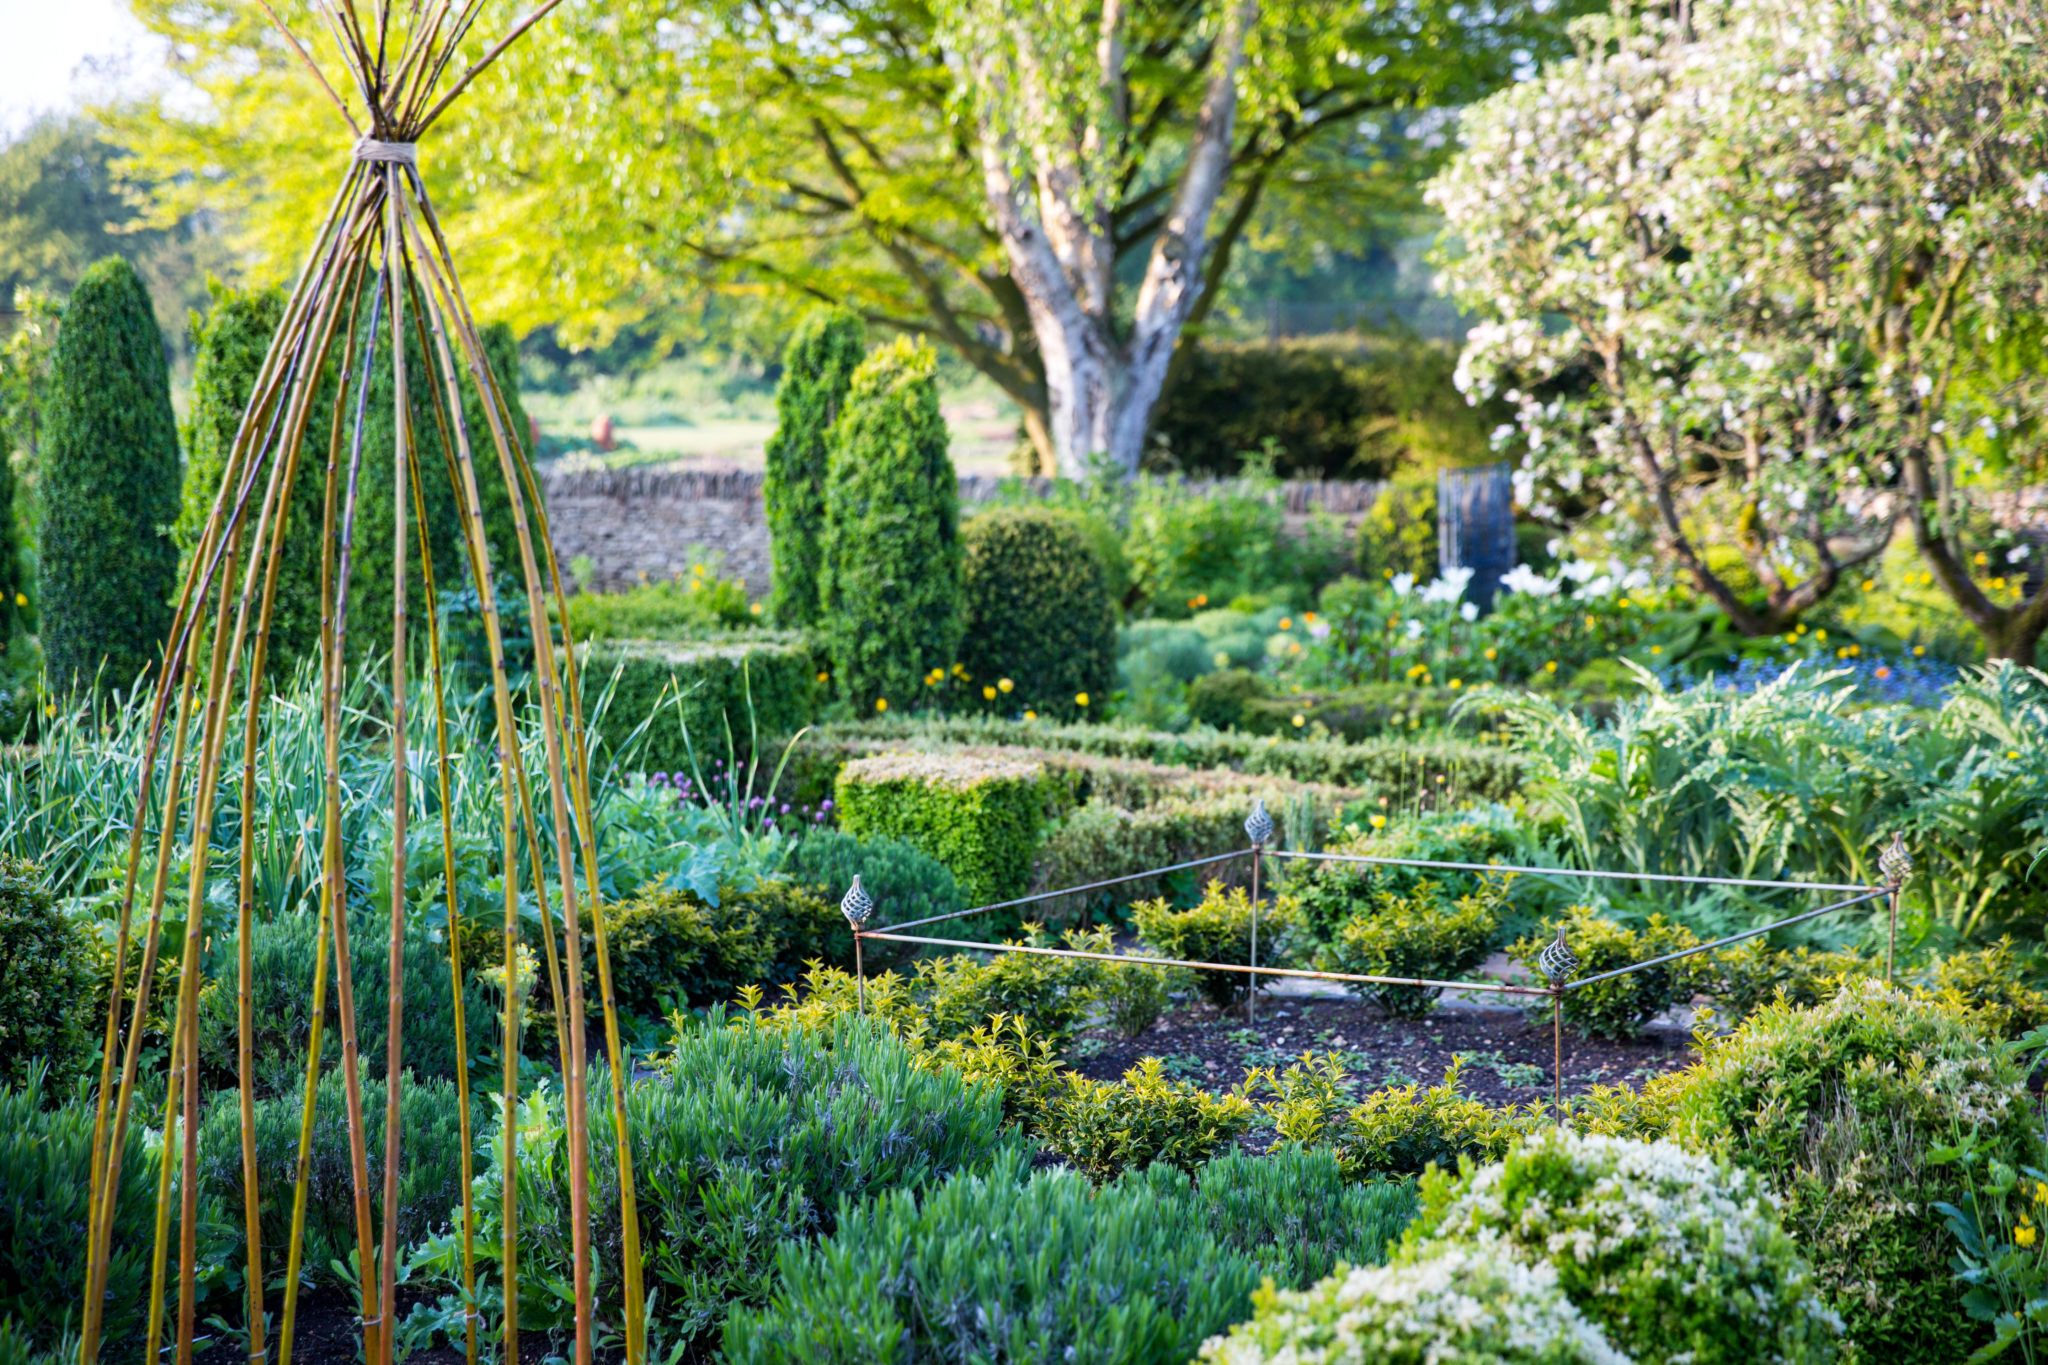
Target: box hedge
1040,629
1433,773
45,981
668,698
1103,839
981,817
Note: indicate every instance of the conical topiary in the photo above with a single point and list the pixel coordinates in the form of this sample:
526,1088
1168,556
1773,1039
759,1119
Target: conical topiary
109,487
817,368
890,581
231,343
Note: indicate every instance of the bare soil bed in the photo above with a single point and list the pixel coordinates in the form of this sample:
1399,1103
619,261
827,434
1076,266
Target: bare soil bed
1506,1052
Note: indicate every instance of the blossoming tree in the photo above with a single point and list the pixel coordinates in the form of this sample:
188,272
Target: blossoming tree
1766,279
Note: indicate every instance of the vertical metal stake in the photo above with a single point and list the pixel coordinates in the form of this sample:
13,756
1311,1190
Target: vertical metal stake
1557,962
1258,827
1896,865
1251,994
857,906
1557,1053
1891,947
860,975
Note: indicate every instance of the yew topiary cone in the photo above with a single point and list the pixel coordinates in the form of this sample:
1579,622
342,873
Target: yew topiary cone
109,487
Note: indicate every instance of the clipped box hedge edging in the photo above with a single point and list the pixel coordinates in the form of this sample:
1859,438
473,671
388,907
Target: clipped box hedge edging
1207,761
979,815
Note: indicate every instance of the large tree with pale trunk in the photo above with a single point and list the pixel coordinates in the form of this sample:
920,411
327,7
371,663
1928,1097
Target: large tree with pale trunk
1052,192
1054,120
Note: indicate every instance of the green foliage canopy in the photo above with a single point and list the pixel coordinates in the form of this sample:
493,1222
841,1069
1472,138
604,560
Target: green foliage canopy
626,157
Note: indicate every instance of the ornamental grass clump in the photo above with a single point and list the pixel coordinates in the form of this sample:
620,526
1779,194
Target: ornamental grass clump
1422,934
1455,1306
1672,1253
1845,1110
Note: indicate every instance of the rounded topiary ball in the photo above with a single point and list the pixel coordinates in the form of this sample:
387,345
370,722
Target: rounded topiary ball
1037,613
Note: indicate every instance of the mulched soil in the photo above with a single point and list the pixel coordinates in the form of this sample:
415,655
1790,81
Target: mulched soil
326,1332
1507,1052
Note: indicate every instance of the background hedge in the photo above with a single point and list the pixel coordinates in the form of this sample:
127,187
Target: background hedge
980,817
1332,407
1404,771
889,590
1036,611
817,369
109,487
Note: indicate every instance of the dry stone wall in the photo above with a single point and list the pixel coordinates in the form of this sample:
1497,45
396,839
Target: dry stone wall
617,527
624,526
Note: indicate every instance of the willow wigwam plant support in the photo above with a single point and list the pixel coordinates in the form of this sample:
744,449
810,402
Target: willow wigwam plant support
379,268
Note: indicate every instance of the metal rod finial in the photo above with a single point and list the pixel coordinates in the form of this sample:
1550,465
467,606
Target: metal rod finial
857,905
1258,826
1895,862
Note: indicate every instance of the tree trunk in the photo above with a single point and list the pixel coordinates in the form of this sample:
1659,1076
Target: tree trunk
2017,638
1100,391
2012,632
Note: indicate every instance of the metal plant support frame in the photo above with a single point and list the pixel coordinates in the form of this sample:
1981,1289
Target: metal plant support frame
1557,961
